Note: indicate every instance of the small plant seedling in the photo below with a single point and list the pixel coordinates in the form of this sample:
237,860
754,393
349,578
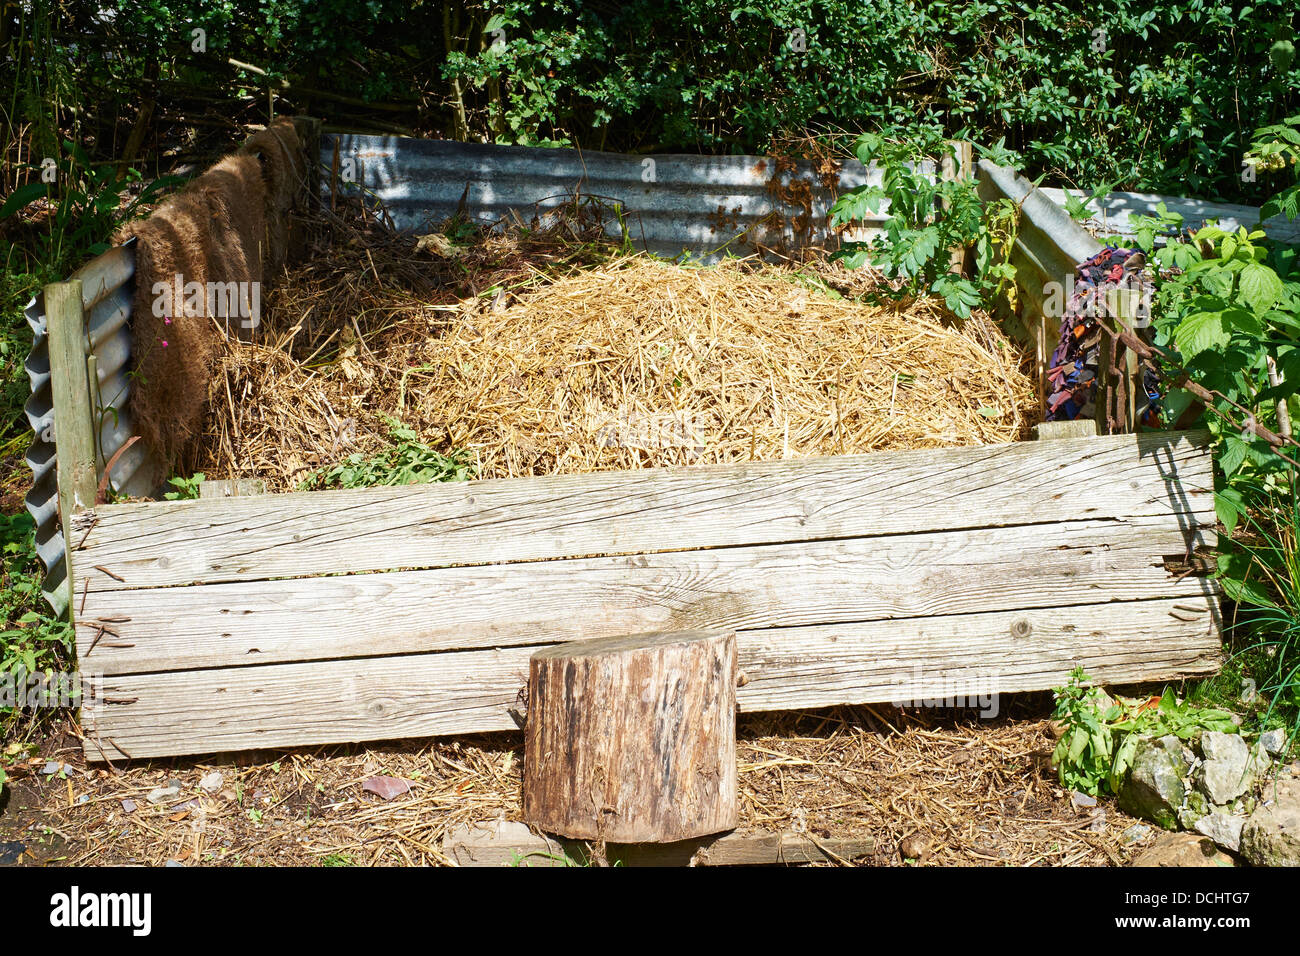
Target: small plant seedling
187,489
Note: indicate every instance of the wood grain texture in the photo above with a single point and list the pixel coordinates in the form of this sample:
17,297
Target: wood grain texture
917,575
74,428
285,705
316,533
632,739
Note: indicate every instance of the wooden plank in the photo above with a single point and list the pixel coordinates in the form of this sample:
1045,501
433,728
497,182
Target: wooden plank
286,705
74,429
948,572
1054,431
507,843
232,488
327,532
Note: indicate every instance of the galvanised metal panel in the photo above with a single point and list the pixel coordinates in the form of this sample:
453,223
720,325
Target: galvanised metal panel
106,298
706,205
1111,214
1049,244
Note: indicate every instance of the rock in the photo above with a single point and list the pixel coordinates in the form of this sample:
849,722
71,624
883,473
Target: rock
1195,807
212,782
1271,837
173,863
1222,827
1082,800
11,853
1274,741
1154,788
163,794
51,767
1228,769
128,806
1182,849
914,846
386,787
1136,833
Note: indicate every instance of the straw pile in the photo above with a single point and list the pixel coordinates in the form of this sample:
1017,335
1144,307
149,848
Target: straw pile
643,363
548,357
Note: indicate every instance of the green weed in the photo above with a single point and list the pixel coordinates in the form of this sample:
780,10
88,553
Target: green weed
408,461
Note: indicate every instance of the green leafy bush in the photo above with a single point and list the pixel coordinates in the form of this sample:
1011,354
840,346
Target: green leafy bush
1101,734
926,221
32,642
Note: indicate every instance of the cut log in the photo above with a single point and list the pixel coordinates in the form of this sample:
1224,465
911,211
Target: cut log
633,739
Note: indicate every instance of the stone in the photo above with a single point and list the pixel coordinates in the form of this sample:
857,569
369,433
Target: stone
1228,769
914,846
1195,807
1222,827
163,794
212,782
1082,801
1154,787
1136,833
1274,741
1183,849
128,806
11,852
1271,836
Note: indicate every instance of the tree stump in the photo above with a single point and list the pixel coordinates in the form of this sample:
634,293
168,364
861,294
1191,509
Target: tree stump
633,739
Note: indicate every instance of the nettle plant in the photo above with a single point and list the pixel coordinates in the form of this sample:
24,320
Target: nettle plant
1227,317
926,220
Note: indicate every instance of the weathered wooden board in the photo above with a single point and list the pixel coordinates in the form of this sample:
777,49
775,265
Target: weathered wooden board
825,582
377,698
507,843
130,546
334,617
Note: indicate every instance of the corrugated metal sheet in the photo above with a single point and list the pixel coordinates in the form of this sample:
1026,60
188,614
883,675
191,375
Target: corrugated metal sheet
1111,214
106,298
1048,246
705,205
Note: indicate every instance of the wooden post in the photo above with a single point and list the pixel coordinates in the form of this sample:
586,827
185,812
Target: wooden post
959,165
633,739
74,431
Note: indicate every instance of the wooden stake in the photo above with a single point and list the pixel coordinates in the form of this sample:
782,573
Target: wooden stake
74,431
633,739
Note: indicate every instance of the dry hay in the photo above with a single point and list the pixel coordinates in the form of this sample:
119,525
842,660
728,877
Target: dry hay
643,363
973,792
630,362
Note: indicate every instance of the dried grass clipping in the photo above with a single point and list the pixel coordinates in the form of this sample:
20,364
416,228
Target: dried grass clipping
635,363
